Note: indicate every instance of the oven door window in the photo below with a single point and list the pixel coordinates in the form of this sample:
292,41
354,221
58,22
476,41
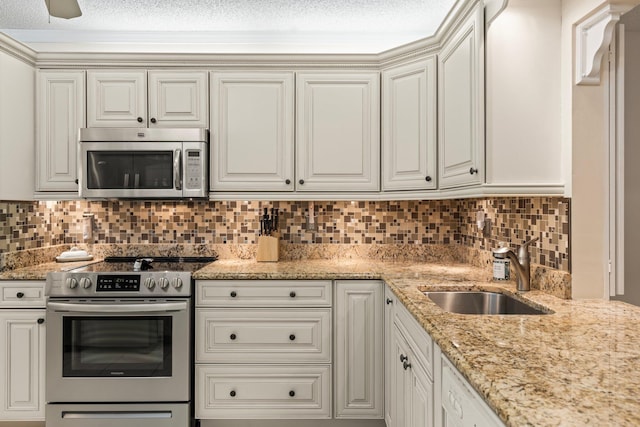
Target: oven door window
127,346
109,170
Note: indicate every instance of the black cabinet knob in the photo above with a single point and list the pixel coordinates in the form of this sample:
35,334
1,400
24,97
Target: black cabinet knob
472,170
292,393
288,181
153,120
20,294
139,119
292,337
406,365
428,179
40,321
77,181
292,294
301,181
389,301
233,294
232,337
403,358
232,393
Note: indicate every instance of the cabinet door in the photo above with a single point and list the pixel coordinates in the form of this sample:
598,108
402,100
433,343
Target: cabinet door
60,107
421,398
461,105
389,358
359,350
252,139
400,381
117,98
178,99
338,132
409,126
22,337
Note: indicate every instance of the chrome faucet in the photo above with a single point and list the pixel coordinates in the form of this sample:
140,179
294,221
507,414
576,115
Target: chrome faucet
521,263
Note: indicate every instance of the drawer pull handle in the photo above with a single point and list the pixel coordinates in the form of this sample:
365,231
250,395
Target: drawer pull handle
233,294
292,337
292,393
40,321
232,393
20,294
403,358
292,294
232,337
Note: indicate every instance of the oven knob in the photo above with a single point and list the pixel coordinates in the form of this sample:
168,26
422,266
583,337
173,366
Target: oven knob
72,283
176,283
85,282
163,282
150,282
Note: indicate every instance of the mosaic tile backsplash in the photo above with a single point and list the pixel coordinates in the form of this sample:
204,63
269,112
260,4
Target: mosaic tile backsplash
30,225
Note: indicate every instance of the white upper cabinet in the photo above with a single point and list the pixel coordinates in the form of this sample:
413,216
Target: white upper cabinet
120,98
460,106
252,131
338,131
60,108
409,126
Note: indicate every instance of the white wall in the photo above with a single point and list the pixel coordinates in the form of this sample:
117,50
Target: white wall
523,95
17,129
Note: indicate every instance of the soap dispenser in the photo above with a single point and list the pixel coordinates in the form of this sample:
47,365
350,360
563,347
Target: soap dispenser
501,266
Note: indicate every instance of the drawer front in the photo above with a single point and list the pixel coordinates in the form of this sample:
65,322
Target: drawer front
250,392
263,293
418,339
240,335
22,294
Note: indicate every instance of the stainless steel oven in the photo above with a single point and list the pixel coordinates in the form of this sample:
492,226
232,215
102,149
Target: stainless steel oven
119,345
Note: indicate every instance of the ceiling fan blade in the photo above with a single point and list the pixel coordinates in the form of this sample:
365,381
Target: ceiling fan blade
66,9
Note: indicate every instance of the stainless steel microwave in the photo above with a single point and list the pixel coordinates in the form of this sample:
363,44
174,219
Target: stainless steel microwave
135,163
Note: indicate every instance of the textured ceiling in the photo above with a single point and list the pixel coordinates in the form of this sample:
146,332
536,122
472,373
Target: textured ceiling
375,24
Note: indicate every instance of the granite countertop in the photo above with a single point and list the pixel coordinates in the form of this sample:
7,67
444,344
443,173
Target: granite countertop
575,367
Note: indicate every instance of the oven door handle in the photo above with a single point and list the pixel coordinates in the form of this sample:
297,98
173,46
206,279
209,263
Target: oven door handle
118,308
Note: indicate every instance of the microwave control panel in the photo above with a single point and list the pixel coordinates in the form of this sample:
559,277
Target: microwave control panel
193,172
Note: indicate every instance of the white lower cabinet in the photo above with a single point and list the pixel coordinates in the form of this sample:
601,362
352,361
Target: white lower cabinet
22,343
263,349
359,344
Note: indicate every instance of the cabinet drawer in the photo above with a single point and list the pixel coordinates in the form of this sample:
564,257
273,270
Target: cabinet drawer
417,338
22,294
250,392
240,335
263,293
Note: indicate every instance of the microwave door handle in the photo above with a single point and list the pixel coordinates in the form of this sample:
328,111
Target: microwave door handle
118,308
177,169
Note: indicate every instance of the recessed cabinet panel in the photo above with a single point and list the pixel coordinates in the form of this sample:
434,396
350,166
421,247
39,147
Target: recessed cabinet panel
178,99
22,338
409,126
252,139
337,132
117,98
461,105
60,108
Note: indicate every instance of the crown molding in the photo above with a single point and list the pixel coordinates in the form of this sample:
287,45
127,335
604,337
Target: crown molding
17,50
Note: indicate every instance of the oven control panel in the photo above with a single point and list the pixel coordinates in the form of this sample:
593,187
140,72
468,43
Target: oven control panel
80,284
118,282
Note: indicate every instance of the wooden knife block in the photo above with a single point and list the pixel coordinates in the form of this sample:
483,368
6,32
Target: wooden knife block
268,248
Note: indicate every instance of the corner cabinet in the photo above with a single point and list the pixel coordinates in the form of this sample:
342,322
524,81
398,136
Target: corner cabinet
461,104
409,120
60,113
22,357
359,345
131,98
338,131
252,138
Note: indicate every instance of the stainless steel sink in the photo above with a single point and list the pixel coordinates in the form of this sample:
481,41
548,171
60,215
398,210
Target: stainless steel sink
481,302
